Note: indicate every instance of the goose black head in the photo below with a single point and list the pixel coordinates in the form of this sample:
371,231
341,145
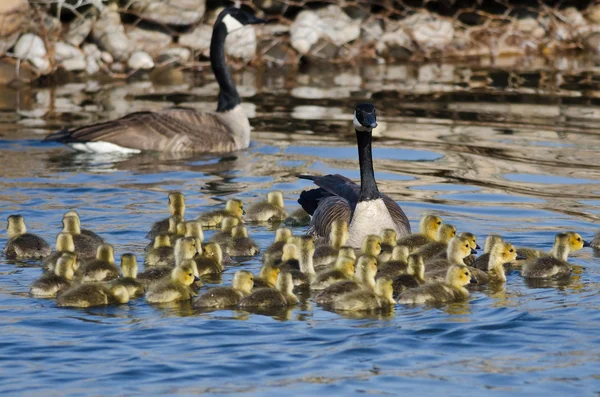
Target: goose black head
236,18
364,117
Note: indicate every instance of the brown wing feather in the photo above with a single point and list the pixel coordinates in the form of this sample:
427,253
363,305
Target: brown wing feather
329,210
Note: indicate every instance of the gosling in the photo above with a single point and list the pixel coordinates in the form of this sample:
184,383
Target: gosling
51,284
222,297
240,244
366,269
268,211
102,268
267,278
481,262
176,209
388,242
23,245
233,207
85,246
96,294
458,249
64,245
272,255
224,234
298,218
176,288
265,298
555,265
440,246
371,245
211,260
452,290
428,228
327,252
96,239
128,278
343,271
162,253
397,265
367,300
414,277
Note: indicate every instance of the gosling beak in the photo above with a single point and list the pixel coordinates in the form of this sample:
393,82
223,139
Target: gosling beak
196,278
474,252
586,244
243,211
477,247
473,280
521,257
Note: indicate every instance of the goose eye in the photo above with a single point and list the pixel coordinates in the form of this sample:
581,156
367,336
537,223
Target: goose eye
190,274
466,274
467,245
439,223
578,239
511,250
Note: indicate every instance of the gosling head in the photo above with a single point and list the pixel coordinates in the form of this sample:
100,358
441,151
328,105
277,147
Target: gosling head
459,276
16,226
371,245
347,251
228,223
65,266
184,273
389,237
458,249
162,240
177,204
275,198
416,266
233,19
285,283
445,233
239,232
120,293
385,289
73,257
345,265
338,235
576,242
472,238
490,242
282,235
290,252
305,244
106,253
366,269
365,118
430,225
269,273
72,213
194,229
243,281
129,267
213,250
185,248
64,242
71,225
235,207
400,253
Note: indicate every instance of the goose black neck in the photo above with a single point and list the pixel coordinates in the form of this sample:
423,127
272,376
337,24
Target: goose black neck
368,185
228,95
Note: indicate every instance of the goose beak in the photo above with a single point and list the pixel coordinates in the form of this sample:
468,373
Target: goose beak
521,257
252,20
196,278
369,120
474,252
477,247
473,280
586,244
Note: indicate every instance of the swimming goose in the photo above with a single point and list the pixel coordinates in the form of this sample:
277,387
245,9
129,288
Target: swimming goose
306,250
176,209
185,249
128,278
61,278
435,248
281,296
95,294
389,239
343,270
162,253
397,265
452,289
555,265
327,250
473,239
102,268
211,260
267,278
365,300
458,249
481,262
268,211
364,277
194,229
428,229
298,217
221,297
175,288
414,277
233,207
64,245
224,234
273,253
240,244
88,233
85,246
366,210
178,129
21,244
371,245
501,253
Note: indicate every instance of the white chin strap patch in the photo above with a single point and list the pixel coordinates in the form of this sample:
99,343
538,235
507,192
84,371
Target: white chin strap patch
231,24
358,126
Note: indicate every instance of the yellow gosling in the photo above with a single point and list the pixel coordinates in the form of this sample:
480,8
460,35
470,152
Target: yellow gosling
273,253
176,209
102,268
439,247
233,207
481,262
85,246
221,297
96,294
451,290
50,284
414,277
240,244
176,288
555,265
366,269
367,300
397,264
371,245
428,228
128,279
343,270
162,253
23,245
211,260
264,298
268,211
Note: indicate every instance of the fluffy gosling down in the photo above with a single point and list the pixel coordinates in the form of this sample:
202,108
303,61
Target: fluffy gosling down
176,288
50,284
233,207
23,245
95,294
222,297
265,298
453,289
556,264
268,211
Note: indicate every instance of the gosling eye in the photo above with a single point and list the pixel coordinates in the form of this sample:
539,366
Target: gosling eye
467,245
190,274
578,239
466,273
439,223
510,250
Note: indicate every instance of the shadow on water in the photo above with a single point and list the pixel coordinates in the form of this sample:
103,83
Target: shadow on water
490,151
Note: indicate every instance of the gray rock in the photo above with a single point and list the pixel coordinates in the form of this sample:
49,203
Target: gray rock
198,39
429,31
32,48
79,30
170,12
140,60
74,64
14,16
372,31
241,44
92,66
106,57
92,50
395,44
304,32
109,34
64,51
337,26
150,41
176,53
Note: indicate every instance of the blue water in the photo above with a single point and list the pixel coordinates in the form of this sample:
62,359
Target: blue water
518,340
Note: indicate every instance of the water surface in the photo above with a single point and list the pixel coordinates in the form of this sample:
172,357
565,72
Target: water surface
518,161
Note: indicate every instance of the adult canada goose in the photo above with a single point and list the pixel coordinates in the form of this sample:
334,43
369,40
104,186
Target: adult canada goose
178,129
365,209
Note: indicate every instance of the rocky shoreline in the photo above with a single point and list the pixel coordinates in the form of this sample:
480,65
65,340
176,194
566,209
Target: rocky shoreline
118,38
